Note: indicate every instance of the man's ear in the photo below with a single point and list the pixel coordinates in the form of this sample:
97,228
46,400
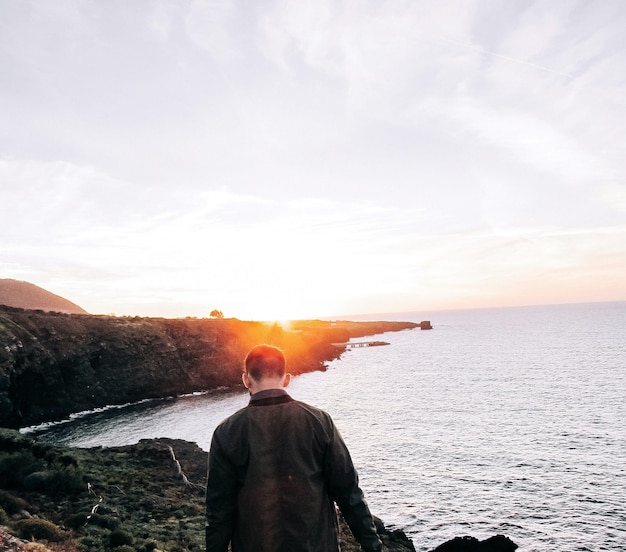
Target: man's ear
287,380
246,380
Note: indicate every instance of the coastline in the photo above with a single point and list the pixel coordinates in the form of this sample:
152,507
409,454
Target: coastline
54,365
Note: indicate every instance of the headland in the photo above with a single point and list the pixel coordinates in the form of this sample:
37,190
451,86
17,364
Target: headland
56,364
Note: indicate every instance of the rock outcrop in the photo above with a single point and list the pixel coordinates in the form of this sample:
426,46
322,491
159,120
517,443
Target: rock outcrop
54,364
497,543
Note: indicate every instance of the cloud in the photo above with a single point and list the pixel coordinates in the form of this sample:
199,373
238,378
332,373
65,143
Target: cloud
533,141
60,199
214,243
614,195
210,24
386,148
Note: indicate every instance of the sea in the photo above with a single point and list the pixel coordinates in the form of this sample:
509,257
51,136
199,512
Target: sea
504,421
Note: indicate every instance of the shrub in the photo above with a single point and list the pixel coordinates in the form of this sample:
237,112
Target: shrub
76,521
36,481
119,538
106,522
88,543
54,482
3,517
40,450
174,546
12,504
39,529
125,548
11,440
17,465
149,546
65,481
68,461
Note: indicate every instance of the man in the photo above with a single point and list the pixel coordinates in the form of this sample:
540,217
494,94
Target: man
276,469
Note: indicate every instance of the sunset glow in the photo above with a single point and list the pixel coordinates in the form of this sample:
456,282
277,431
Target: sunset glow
313,159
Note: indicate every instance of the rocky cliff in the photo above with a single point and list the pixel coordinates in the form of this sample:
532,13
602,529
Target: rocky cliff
54,364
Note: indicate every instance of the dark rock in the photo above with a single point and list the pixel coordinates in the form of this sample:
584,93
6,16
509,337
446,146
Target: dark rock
497,543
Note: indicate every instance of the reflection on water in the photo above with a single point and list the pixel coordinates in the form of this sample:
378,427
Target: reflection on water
499,421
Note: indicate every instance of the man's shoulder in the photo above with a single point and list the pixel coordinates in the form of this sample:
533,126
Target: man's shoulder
239,417
313,411
233,419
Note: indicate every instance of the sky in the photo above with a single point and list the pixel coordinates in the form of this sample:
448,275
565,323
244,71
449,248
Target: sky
313,158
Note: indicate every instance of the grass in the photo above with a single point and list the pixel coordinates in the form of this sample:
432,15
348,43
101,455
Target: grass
127,498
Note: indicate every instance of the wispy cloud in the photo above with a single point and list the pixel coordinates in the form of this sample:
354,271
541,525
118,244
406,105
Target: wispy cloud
210,25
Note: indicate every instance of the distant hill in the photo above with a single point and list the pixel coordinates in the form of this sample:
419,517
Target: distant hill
25,295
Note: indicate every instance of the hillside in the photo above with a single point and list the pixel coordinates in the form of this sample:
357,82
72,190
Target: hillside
25,295
145,497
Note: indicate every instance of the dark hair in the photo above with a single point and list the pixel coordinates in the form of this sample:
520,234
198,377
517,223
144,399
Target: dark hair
265,361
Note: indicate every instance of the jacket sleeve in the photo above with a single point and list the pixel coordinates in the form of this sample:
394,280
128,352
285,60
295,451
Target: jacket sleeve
221,499
343,485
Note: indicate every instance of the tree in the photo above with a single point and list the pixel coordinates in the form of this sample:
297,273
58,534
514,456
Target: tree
216,314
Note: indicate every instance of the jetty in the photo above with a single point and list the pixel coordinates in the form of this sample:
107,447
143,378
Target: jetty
358,344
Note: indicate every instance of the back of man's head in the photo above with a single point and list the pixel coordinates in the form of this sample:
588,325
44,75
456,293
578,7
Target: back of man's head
265,361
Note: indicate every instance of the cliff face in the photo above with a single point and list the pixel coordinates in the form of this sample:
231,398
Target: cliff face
53,364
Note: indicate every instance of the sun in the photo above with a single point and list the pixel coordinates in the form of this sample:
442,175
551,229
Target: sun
280,310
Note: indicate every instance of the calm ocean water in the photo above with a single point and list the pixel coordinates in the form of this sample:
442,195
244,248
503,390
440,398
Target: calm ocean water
498,421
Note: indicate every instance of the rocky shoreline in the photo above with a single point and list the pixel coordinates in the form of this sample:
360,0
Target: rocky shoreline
54,364
138,498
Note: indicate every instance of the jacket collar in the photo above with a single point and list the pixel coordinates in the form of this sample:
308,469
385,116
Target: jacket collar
269,397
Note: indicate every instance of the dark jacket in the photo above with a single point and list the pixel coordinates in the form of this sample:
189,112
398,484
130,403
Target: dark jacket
276,468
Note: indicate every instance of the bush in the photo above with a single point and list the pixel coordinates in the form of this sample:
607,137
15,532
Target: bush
174,546
125,548
76,521
3,517
149,546
15,466
39,529
54,482
88,543
68,461
36,481
11,440
106,522
119,538
12,504
41,450
66,481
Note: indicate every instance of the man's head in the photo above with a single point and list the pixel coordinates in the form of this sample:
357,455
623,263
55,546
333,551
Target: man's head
264,368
